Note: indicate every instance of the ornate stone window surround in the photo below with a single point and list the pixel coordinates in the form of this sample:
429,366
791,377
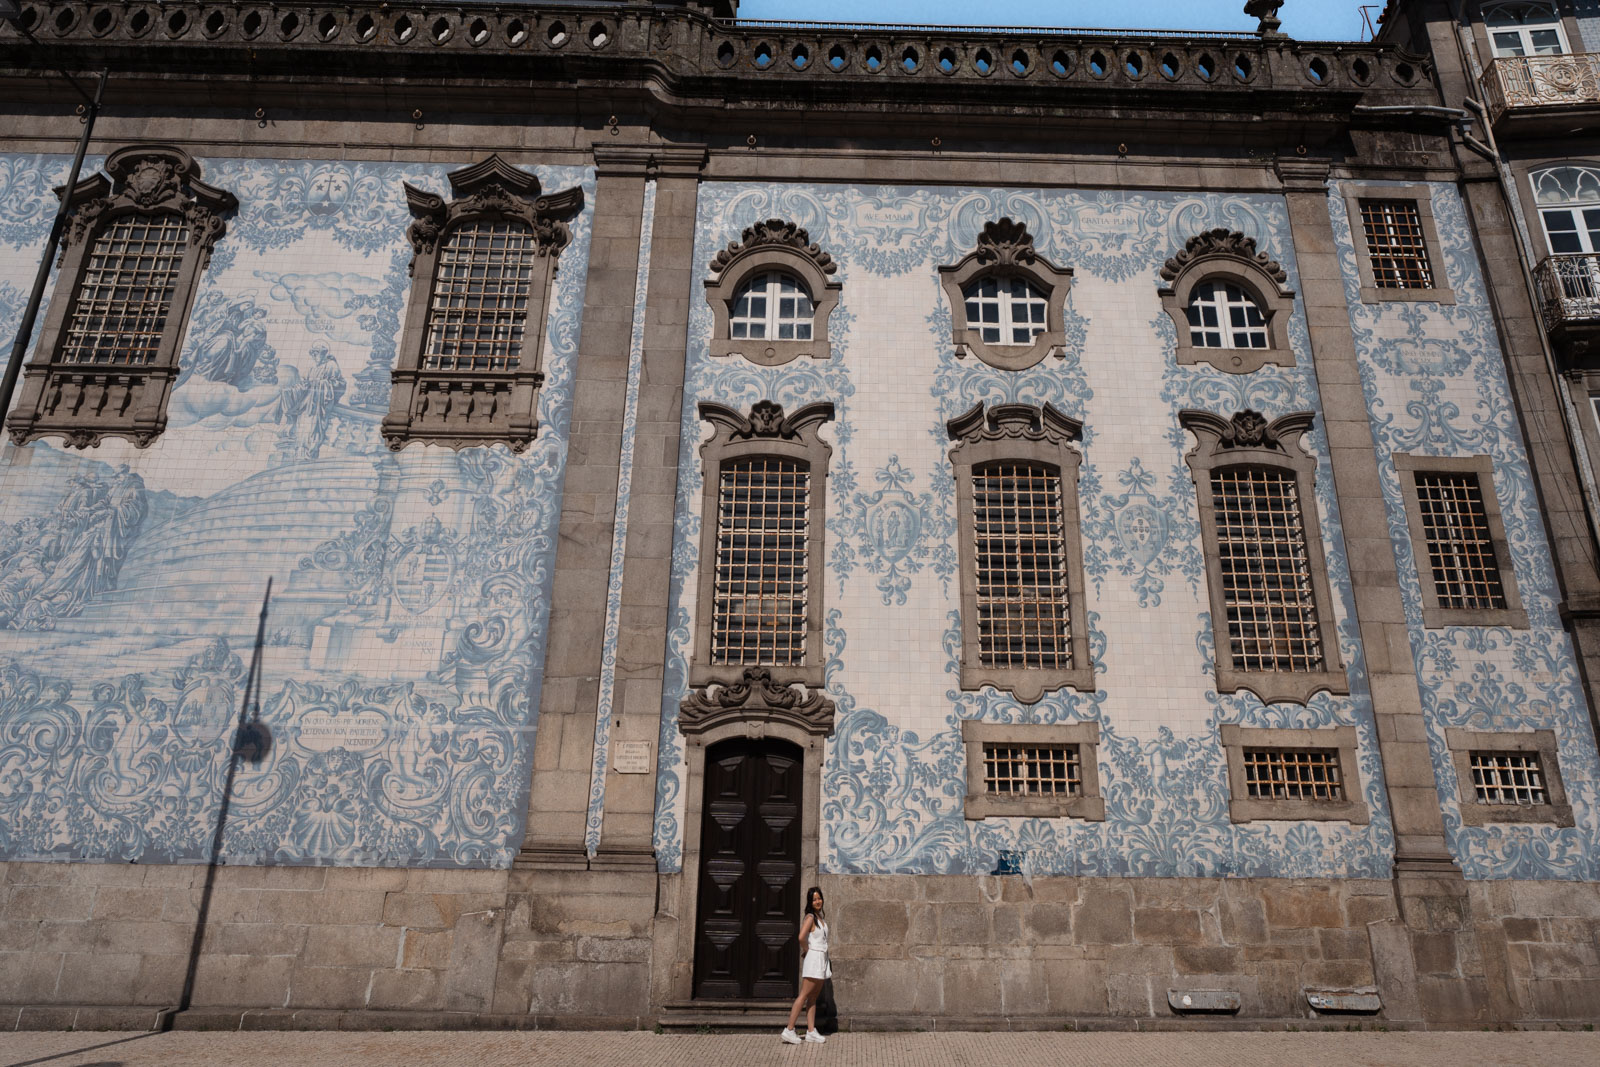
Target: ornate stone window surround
1020,432
1224,256
766,431
1248,440
458,408
1462,743
981,804
1005,250
1441,293
1242,807
1434,615
85,402
773,245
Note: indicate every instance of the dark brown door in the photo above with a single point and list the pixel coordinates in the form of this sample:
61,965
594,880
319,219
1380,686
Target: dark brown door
749,904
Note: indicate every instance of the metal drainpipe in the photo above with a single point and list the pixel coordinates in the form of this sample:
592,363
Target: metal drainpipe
1569,413
19,347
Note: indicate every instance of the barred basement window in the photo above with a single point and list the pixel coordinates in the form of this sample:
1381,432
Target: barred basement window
1032,770
1396,243
140,236
472,355
772,305
1399,254
762,529
1224,316
1276,774
1266,580
478,314
126,294
763,520
1293,774
1508,778
1022,613
1458,541
1024,617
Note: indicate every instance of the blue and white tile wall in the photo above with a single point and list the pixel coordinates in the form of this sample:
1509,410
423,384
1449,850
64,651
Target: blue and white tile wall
1435,384
404,643
894,773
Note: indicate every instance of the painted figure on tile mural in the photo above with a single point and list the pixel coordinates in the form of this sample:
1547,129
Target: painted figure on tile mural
306,404
53,566
234,348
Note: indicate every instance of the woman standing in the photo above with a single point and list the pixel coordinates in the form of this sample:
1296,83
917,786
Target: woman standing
813,972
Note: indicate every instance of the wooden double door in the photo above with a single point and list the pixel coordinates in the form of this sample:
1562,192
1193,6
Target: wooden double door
748,912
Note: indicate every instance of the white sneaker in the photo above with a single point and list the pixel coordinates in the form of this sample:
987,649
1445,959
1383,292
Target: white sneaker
812,1035
790,1037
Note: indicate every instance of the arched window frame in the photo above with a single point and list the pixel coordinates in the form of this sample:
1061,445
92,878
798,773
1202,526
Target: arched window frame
461,408
1249,440
1004,251
1229,257
1521,16
1540,182
85,402
1020,433
765,432
772,245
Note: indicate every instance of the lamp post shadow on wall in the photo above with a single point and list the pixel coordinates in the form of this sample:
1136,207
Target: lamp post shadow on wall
252,741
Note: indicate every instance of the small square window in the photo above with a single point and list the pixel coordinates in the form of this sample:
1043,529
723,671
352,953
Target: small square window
1293,774
1033,771
1508,777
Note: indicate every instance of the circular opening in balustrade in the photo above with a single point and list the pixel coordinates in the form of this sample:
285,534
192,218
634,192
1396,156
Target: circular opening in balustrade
327,27
1361,72
478,32
1020,62
983,62
365,28
762,57
1171,67
599,36
725,54
874,58
289,26
65,19
215,23
102,22
138,22
1318,70
1134,65
800,57
556,34
947,60
1206,67
1097,65
910,60
837,57
1243,68
177,23
516,31
1061,64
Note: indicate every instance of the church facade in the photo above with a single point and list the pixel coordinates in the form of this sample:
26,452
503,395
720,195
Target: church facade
501,498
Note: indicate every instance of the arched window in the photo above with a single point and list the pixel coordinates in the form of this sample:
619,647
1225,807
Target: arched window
1005,311
1006,301
1222,315
771,294
472,359
1524,28
140,237
1230,304
772,305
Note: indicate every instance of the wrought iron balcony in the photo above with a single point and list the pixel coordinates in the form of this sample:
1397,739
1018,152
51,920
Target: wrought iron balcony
1569,298
1539,91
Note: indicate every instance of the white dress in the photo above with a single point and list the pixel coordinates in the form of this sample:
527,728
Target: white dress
816,962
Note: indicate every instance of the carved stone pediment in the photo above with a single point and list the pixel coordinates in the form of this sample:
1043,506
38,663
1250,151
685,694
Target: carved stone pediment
1005,243
755,697
148,179
766,419
774,233
1228,243
1247,429
492,189
1023,422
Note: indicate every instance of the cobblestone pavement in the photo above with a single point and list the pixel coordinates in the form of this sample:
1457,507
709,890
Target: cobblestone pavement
643,1049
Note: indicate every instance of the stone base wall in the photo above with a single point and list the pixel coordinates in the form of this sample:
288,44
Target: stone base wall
103,945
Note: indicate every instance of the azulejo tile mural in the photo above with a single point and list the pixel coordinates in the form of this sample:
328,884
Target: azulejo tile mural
1435,384
404,642
894,774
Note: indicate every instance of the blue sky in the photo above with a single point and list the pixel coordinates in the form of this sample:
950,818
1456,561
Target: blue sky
1309,20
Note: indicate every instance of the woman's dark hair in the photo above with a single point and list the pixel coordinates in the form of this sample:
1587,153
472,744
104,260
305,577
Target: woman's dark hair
809,894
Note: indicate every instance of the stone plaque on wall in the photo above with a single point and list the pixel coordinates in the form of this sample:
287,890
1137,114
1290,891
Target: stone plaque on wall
631,757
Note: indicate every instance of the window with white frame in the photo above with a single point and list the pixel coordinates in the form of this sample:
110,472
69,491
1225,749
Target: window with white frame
774,305
1222,315
1005,311
1568,198
1524,28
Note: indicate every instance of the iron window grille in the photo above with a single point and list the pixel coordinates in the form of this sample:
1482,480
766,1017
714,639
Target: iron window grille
771,305
1005,311
1266,575
478,312
121,307
1461,551
1222,315
1396,244
1032,770
1508,778
1293,774
759,612
1024,617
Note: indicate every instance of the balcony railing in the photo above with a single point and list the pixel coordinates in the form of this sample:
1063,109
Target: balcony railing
1515,82
1569,290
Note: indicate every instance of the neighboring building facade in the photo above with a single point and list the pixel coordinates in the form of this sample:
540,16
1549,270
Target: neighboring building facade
1104,506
